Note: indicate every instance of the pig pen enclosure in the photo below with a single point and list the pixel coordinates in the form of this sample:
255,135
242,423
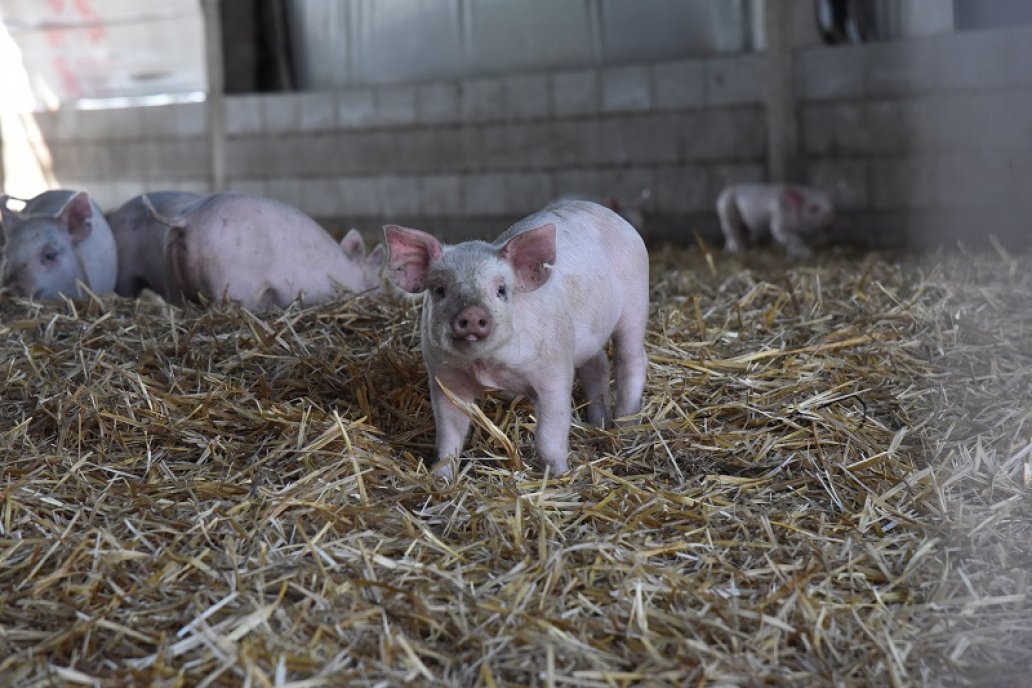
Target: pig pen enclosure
828,485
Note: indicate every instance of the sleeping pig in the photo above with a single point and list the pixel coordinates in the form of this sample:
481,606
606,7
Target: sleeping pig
527,313
141,241
749,211
58,239
260,253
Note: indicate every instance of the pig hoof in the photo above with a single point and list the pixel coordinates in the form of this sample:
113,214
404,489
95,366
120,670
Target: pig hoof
558,467
444,470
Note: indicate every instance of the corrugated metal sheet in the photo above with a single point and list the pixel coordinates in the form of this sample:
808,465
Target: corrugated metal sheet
349,42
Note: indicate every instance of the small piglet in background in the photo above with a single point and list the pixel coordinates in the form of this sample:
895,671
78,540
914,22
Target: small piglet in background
141,241
58,239
749,211
630,210
526,314
260,253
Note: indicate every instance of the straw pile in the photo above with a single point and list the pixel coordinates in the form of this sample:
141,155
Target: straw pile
829,486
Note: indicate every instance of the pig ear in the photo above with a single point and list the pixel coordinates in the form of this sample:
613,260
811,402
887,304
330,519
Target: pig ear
409,254
377,257
9,217
530,253
77,217
793,197
353,244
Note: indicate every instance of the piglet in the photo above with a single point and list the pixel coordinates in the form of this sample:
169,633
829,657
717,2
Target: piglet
749,211
60,238
526,314
141,241
260,253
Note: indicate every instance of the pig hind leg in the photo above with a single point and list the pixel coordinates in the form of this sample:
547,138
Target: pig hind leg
629,357
594,378
731,222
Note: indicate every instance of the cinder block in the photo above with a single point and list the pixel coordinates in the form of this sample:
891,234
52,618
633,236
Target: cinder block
289,190
978,179
575,93
817,129
681,190
578,183
395,105
441,195
723,176
251,187
527,192
244,115
438,103
184,158
46,122
890,131
483,100
1019,71
828,73
356,107
906,68
626,184
626,89
723,134
485,194
280,112
650,139
66,125
845,180
320,198
734,80
526,96
603,142
680,84
399,196
428,151
126,124
903,183
359,196
185,120
316,111
971,60
543,145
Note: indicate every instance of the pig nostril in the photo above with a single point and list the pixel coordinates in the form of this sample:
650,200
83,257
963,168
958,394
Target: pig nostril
482,322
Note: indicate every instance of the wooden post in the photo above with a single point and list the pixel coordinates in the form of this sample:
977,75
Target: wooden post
216,97
779,80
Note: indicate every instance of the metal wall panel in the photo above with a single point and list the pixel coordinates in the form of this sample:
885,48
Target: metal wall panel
353,42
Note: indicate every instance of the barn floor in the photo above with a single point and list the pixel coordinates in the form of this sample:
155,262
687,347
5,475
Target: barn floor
830,485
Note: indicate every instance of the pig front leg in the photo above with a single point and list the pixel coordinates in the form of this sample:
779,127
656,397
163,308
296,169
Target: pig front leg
451,426
594,378
552,407
783,231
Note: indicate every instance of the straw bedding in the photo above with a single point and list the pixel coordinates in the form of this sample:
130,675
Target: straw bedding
829,486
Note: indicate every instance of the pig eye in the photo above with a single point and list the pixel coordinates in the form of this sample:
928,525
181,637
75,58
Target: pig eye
502,291
49,254
438,291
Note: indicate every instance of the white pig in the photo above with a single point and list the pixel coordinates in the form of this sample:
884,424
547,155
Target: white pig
141,241
748,211
261,253
526,314
59,237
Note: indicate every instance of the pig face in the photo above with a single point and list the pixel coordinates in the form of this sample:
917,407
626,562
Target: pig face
815,208
41,259
473,287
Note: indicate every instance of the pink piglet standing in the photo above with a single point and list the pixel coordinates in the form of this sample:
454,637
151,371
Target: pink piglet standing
526,314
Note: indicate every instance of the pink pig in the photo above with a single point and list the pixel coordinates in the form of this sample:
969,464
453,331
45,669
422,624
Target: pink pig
60,238
526,314
261,253
141,241
787,212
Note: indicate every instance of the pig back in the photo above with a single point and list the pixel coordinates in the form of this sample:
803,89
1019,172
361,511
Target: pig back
600,275
244,247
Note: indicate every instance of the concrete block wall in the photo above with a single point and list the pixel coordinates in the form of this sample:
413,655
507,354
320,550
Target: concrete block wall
929,140
460,157
468,157
118,153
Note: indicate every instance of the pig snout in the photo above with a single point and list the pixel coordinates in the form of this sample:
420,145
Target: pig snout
472,324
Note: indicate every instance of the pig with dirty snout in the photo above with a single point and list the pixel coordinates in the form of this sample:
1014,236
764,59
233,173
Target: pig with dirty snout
141,241
750,211
526,314
261,253
57,241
